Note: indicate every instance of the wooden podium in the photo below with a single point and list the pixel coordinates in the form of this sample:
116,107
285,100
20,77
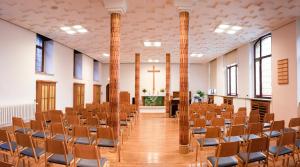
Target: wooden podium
174,104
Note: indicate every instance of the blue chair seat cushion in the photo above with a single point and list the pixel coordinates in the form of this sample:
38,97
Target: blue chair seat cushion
106,143
191,123
83,140
123,123
41,135
233,139
29,152
199,131
250,137
223,161
206,142
102,122
272,134
23,130
5,146
93,129
60,159
60,137
267,125
282,150
91,162
227,121
253,157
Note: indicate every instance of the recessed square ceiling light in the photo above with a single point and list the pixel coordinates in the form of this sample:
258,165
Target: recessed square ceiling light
150,60
105,55
218,30
237,28
223,26
70,32
147,44
156,44
65,28
230,32
196,55
77,27
83,30
156,61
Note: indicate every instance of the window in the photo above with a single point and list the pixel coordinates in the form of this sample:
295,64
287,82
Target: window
77,72
39,53
232,80
96,71
262,67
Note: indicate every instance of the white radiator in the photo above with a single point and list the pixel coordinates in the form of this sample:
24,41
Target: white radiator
25,111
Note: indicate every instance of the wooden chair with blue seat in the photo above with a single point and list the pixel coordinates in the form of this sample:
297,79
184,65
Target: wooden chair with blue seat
57,153
294,125
92,123
254,118
5,164
253,131
257,151
209,116
285,147
58,132
225,155
39,132
199,128
268,119
211,139
238,120
227,116
55,116
19,126
106,139
242,111
219,122
40,116
26,149
277,128
81,135
88,156
235,134
72,120
7,147
124,124
102,116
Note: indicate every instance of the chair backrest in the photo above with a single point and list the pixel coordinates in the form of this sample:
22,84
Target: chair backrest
239,120
218,122
24,140
102,115
254,112
5,164
213,132
258,145
92,121
269,117
57,128
255,128
55,117
73,120
288,138
17,122
227,149
236,130
277,125
81,131
39,116
210,115
4,136
254,118
105,133
56,147
294,122
123,116
226,115
199,122
37,125
87,152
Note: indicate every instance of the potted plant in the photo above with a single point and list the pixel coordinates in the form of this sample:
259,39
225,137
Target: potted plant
199,96
144,91
162,90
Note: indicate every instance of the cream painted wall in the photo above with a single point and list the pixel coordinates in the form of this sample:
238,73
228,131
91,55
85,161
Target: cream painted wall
17,53
284,97
198,78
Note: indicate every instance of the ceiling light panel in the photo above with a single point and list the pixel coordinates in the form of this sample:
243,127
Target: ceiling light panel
228,29
74,29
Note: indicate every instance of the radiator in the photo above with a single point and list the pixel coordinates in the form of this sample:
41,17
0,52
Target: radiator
25,111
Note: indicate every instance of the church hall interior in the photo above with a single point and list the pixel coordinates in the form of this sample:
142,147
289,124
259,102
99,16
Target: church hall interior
149,83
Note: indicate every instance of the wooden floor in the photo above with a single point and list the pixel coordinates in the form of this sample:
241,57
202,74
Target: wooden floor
154,142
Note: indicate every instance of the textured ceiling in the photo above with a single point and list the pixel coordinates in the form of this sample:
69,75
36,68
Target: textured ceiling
154,20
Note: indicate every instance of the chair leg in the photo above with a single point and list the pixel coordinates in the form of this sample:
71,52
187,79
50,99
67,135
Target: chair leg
197,152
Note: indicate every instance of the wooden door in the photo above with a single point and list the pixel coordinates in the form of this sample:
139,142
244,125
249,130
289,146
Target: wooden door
45,96
78,95
97,94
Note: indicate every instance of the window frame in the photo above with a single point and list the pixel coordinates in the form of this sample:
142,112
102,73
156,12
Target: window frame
228,75
259,59
43,53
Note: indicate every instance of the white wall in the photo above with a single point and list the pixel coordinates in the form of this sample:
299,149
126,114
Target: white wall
198,78
17,53
284,97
